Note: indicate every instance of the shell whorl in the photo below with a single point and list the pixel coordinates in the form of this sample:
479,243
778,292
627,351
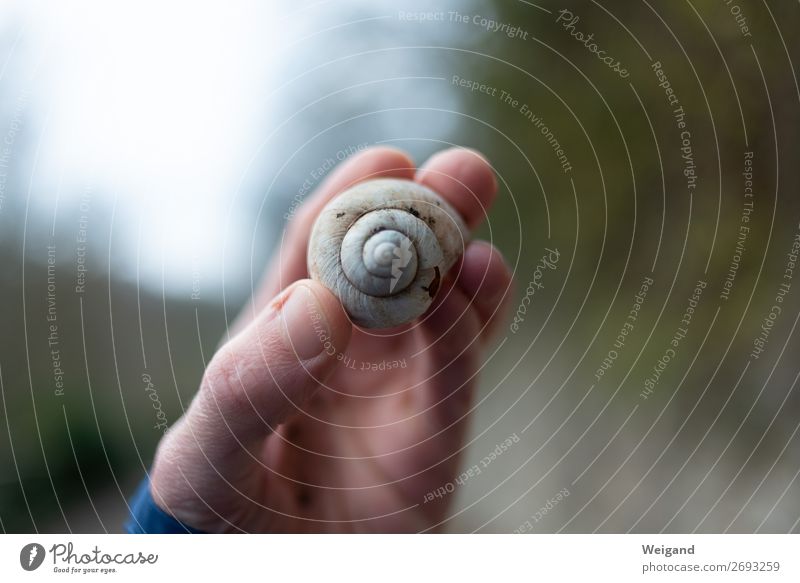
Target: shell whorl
382,247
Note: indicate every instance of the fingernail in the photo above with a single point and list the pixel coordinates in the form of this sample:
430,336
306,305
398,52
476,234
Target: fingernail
305,330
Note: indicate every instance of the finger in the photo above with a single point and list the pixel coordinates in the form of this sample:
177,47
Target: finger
464,178
486,280
448,331
462,318
376,162
277,359
289,263
250,387
438,415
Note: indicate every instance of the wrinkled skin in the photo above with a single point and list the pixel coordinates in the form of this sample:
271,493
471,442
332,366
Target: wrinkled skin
277,441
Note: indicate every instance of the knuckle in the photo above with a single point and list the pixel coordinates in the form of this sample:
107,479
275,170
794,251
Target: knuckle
224,382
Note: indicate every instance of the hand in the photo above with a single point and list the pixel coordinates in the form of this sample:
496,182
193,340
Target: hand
288,433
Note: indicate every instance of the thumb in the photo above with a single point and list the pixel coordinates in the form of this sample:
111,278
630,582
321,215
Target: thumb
253,384
271,367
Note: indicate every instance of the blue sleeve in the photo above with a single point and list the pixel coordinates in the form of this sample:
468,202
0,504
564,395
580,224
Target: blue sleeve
147,518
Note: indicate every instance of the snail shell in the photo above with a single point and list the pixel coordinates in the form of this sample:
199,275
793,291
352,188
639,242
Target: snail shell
382,247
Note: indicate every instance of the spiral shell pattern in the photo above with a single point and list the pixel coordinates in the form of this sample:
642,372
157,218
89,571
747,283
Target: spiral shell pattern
382,247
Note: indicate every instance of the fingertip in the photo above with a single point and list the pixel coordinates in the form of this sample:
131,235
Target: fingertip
389,158
465,178
477,170
374,162
336,318
485,277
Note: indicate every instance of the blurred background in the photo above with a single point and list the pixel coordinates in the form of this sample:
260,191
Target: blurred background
150,154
